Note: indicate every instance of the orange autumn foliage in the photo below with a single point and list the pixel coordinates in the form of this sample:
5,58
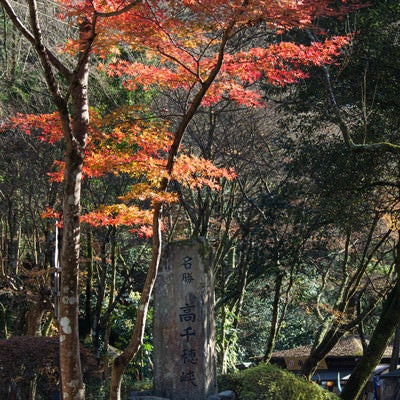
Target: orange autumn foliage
182,45
181,42
138,149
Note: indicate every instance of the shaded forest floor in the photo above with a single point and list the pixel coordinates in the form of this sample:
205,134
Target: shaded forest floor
30,363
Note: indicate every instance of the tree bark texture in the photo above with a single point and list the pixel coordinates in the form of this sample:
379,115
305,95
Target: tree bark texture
71,373
274,329
330,339
396,350
389,319
70,363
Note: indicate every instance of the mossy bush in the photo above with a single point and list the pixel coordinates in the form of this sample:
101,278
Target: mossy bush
268,382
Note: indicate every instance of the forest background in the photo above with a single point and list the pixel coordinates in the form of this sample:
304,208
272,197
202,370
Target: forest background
304,232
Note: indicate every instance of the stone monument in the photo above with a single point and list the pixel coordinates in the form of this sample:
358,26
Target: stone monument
184,328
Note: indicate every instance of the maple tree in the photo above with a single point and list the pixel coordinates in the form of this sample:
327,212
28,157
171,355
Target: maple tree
186,47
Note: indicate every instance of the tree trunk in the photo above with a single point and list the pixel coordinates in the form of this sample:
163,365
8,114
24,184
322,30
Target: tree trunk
13,240
394,360
70,363
273,331
4,319
111,296
75,130
34,319
75,133
389,319
223,343
122,361
98,326
88,324
3,236
330,339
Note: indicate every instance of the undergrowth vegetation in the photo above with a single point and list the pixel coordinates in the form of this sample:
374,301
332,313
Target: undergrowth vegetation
268,382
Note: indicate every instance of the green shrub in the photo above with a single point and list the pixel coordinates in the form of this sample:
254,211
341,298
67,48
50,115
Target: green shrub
268,382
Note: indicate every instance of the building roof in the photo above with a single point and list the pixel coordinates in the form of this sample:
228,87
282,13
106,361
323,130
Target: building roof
348,346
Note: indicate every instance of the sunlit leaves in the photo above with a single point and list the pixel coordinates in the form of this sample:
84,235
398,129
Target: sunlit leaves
185,38
47,127
131,142
196,172
183,46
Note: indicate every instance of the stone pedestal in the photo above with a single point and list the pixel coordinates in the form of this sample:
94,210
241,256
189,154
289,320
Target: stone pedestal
184,328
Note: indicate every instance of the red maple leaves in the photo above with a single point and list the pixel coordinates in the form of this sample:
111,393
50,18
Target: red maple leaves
122,143
183,45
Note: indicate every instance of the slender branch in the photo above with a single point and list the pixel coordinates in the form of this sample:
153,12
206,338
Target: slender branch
355,281
31,38
176,60
45,59
368,147
383,147
196,60
120,11
364,314
173,151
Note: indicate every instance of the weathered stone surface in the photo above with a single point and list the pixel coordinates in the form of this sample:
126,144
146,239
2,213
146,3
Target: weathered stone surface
138,397
225,395
146,395
184,330
141,393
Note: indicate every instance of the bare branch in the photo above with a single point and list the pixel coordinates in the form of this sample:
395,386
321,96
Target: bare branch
381,147
44,55
31,38
384,147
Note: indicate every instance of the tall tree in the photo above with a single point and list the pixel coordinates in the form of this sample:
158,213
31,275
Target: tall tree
190,41
204,66
354,241
359,99
68,89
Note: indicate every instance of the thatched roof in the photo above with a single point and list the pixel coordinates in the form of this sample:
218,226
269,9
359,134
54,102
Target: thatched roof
348,346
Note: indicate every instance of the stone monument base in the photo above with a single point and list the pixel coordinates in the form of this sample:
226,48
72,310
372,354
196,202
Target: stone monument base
225,395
